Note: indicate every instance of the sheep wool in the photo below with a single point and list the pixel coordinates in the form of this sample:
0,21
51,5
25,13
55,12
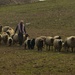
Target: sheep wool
57,37
49,42
69,43
57,44
39,43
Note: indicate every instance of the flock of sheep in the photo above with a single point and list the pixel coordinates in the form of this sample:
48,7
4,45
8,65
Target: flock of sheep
56,42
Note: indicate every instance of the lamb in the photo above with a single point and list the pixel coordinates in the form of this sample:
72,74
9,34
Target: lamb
57,44
39,43
69,43
49,42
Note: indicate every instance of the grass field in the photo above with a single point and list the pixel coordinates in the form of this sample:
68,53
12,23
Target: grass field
50,18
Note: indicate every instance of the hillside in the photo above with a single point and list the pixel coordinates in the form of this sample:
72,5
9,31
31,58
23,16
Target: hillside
6,2
49,18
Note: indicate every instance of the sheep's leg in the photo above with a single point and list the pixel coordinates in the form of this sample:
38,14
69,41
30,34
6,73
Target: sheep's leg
25,46
59,50
38,48
72,49
41,49
46,47
49,47
55,49
67,49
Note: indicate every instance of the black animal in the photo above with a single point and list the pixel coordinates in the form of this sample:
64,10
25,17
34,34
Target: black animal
30,44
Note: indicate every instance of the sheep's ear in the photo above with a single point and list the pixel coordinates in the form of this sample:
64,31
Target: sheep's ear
27,35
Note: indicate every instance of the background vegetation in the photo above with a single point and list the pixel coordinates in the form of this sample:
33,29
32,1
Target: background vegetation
50,18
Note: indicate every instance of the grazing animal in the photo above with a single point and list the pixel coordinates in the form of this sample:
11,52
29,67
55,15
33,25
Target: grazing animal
32,43
10,32
57,44
5,28
39,43
27,41
49,42
69,43
57,37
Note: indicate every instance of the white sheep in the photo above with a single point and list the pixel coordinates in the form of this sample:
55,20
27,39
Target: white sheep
43,38
57,37
39,43
15,38
69,43
49,42
27,42
5,28
10,32
57,44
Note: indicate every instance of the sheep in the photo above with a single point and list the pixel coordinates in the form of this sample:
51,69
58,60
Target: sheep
5,37
32,43
10,41
39,43
43,38
49,42
57,37
69,43
57,44
10,32
27,41
5,28
15,38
